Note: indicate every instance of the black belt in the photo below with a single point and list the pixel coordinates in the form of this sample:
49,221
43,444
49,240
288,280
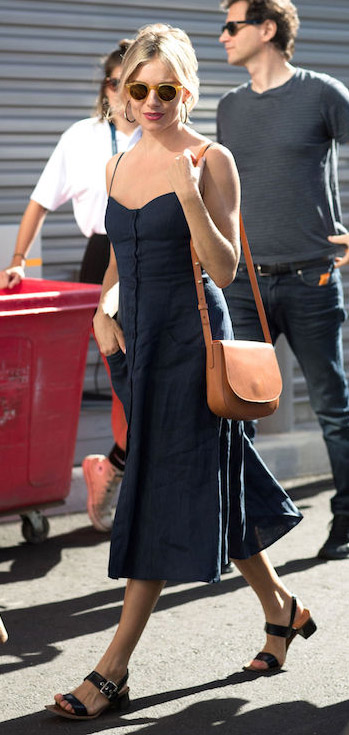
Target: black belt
278,269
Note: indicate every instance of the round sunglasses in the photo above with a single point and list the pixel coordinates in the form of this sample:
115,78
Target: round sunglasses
165,90
112,83
232,26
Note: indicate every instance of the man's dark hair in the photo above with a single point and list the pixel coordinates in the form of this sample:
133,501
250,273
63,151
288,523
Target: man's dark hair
285,15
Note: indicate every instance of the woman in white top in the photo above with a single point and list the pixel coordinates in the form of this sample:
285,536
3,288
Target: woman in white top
76,171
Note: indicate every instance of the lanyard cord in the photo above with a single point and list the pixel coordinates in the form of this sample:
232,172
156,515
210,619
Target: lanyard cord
114,145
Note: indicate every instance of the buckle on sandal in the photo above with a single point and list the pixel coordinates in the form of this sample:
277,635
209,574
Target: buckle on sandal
109,689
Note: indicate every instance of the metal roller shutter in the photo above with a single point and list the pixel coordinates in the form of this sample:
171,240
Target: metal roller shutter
49,77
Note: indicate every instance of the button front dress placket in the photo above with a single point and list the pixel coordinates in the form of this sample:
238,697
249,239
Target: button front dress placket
133,347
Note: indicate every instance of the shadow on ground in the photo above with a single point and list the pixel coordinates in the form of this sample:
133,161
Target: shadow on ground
34,561
213,716
39,627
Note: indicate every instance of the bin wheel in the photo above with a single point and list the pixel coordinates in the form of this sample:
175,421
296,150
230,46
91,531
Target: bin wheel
35,527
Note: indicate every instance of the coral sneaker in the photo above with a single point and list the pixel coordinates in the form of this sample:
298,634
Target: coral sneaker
3,632
103,482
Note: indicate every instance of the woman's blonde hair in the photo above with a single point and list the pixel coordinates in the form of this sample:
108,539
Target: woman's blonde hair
173,47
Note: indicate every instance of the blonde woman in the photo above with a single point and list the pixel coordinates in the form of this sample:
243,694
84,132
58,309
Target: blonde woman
190,479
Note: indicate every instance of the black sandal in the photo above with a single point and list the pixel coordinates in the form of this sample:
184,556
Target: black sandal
117,701
305,627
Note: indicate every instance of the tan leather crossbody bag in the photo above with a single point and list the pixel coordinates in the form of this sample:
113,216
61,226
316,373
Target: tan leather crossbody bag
242,376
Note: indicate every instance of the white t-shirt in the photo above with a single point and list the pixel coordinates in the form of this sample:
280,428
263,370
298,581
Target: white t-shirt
76,171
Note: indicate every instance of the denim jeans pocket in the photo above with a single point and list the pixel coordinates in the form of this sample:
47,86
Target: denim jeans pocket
320,275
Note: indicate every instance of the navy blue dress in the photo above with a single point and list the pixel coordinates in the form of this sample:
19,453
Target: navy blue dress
194,490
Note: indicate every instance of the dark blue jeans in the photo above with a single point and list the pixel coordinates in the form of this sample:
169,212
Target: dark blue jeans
310,316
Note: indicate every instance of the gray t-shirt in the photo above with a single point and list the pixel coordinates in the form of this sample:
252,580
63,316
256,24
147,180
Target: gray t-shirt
284,142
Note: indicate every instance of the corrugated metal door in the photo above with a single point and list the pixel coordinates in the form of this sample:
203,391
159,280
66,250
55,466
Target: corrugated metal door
49,76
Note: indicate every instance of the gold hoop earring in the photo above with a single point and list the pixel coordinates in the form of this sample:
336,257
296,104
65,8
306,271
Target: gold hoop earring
184,104
125,113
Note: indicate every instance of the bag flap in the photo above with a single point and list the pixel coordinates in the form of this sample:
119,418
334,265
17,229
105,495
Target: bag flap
252,370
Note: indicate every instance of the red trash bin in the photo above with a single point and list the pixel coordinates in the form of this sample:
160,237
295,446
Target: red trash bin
44,334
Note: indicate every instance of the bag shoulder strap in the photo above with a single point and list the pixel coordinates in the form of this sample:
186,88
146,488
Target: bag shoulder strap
254,283
202,305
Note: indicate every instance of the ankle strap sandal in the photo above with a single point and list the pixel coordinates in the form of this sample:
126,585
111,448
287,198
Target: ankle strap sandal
117,699
306,627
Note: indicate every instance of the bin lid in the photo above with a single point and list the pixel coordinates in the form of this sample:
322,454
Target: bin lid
38,295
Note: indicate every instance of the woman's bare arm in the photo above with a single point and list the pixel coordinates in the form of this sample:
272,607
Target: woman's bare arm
213,217
108,333
31,223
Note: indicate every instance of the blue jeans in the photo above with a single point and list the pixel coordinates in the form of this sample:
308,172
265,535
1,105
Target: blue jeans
310,316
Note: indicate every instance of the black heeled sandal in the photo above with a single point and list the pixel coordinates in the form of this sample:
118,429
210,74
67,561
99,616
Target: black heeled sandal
118,701
305,627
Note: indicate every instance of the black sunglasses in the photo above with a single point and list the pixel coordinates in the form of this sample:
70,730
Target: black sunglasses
112,83
232,26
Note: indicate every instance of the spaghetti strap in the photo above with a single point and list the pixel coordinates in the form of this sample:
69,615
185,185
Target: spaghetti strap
116,165
203,150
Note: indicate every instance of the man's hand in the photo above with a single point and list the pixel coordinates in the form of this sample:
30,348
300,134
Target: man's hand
339,261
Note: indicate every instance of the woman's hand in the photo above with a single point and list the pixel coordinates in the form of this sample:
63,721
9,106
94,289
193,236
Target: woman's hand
108,333
340,240
183,176
11,276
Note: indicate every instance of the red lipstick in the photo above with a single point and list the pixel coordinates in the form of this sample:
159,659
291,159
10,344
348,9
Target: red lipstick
153,115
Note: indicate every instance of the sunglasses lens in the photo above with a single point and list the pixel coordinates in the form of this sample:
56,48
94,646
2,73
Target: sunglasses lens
231,27
138,91
167,92
113,83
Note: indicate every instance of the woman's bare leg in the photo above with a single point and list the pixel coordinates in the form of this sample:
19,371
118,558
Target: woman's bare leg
140,599
275,599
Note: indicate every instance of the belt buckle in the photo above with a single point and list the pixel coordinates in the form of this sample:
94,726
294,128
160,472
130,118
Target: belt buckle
261,273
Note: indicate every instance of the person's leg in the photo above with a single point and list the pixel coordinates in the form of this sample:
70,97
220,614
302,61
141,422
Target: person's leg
93,267
313,327
276,601
140,599
96,259
118,423
103,473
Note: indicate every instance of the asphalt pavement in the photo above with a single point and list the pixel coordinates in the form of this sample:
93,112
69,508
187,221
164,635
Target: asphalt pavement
186,676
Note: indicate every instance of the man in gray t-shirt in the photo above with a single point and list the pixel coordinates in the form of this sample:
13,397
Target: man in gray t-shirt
284,144
283,128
